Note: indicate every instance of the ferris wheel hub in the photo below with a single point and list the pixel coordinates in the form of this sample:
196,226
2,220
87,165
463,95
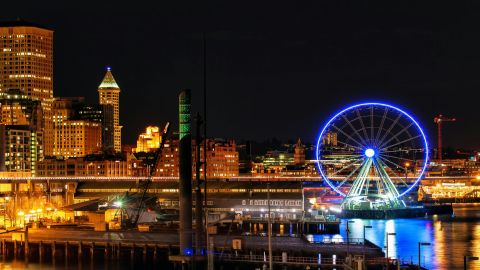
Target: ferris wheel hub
369,152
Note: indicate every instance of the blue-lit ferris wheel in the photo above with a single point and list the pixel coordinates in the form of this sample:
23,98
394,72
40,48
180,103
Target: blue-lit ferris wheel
372,154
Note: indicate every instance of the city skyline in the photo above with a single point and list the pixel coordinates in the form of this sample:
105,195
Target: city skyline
415,63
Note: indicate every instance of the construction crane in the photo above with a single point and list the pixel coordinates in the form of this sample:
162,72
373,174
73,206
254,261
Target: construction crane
136,202
143,186
439,121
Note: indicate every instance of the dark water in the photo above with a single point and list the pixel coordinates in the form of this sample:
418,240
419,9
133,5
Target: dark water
450,238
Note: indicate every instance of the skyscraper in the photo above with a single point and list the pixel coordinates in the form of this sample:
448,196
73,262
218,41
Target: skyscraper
109,93
74,137
100,113
21,137
26,57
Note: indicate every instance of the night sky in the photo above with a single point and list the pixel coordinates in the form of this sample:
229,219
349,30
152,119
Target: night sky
274,70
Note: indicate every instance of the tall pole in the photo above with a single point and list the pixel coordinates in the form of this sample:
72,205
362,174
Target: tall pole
205,145
419,255
348,241
198,190
270,259
386,255
185,173
439,154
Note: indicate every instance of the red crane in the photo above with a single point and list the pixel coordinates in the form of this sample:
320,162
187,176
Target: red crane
439,120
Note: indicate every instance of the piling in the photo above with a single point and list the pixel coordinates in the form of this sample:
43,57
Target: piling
80,250
118,250
40,250
155,253
92,251
132,252
66,251
106,251
145,252
15,250
54,246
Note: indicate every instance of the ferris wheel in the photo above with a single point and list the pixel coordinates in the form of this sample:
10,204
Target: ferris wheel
372,154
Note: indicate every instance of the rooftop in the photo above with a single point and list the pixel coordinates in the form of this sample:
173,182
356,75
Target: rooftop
108,81
21,22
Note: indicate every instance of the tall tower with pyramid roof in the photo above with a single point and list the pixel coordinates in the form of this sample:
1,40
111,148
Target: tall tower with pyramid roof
109,93
299,155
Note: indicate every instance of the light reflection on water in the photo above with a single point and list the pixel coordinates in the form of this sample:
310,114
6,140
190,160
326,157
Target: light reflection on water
450,239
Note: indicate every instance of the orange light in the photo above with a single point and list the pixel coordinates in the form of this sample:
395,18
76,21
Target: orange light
407,164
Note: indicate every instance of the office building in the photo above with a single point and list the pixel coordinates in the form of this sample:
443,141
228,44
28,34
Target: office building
149,141
26,54
222,159
109,93
102,114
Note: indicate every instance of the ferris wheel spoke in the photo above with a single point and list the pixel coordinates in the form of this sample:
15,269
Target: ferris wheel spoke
390,188
379,182
381,124
353,128
350,175
390,129
402,150
355,147
401,142
348,136
371,124
396,135
346,167
362,124
400,158
360,179
393,171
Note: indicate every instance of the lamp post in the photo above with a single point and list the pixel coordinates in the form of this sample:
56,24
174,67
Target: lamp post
407,164
365,227
419,245
348,240
467,259
387,235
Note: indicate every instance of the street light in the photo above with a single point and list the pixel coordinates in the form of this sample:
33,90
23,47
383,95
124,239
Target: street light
467,259
407,164
348,240
365,227
419,245
387,235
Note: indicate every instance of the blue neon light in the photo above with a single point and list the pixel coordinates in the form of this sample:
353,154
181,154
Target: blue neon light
188,251
371,104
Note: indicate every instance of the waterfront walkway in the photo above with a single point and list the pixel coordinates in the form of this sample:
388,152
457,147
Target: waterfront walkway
289,244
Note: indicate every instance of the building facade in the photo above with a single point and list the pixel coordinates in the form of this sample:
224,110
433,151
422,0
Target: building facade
21,134
299,153
149,141
83,167
102,114
26,54
109,93
20,148
222,159
77,138
74,137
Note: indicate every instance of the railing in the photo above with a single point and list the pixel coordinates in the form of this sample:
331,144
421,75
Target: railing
329,240
325,261
279,259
